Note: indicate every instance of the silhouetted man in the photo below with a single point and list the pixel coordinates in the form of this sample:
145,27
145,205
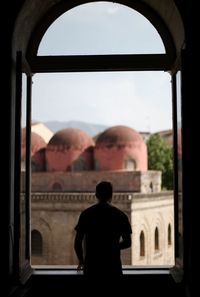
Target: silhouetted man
102,231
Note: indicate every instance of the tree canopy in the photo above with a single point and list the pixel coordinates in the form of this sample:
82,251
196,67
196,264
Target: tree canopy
160,157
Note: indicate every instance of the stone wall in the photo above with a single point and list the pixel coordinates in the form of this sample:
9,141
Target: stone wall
148,213
123,181
55,215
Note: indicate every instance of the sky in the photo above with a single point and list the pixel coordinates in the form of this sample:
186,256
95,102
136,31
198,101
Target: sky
141,100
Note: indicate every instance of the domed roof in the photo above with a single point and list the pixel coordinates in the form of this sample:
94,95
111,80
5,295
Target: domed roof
118,134
37,142
71,137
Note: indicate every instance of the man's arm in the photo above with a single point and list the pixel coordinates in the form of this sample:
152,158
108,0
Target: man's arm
78,247
126,241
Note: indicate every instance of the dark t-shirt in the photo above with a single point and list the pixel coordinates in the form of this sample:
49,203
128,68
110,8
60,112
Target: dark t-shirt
103,225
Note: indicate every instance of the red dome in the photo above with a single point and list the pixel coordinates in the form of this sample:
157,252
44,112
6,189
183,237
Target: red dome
120,148
71,137
70,150
118,134
37,143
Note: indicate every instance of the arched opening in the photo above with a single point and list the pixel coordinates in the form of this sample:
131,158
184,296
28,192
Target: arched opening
57,187
79,165
89,21
36,243
130,164
156,240
108,95
169,235
40,64
142,244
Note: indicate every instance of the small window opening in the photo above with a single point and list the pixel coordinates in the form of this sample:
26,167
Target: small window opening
156,240
169,235
57,187
36,243
130,164
142,244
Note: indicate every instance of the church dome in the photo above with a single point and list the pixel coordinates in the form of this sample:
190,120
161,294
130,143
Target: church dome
71,137
70,149
118,134
37,143
120,148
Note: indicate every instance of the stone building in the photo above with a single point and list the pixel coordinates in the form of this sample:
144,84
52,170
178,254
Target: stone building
73,163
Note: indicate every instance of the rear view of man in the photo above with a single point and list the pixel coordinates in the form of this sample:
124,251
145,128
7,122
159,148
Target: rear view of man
103,230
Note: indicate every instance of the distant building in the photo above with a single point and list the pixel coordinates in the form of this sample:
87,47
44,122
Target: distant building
42,130
63,184
167,136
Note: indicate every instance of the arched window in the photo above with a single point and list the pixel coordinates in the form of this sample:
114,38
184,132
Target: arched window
108,61
142,244
36,243
90,20
95,51
79,165
169,235
156,240
57,187
130,164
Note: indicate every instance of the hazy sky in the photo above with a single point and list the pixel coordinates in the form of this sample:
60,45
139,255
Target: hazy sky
141,100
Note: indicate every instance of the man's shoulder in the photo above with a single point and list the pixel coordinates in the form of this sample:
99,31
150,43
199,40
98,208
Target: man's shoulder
89,209
118,211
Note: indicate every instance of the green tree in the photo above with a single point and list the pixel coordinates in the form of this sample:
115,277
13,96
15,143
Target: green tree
160,157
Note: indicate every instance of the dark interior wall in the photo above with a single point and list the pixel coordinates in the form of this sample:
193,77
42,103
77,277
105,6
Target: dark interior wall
17,37
10,9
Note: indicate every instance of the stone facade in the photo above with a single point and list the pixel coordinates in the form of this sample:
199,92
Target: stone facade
63,181
148,213
123,181
55,215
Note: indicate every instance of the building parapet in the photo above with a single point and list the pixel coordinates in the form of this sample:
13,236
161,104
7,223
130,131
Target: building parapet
131,181
90,197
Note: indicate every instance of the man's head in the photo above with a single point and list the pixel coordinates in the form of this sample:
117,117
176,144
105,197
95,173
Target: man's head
104,191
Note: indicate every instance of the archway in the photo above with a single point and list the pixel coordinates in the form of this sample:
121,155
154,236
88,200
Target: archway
29,42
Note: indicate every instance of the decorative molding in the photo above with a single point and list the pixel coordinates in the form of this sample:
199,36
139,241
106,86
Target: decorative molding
90,197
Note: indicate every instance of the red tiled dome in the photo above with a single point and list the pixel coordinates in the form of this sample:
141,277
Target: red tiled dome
120,148
70,149
71,137
118,134
37,142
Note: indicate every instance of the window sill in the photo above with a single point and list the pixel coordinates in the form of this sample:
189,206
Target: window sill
48,280
127,270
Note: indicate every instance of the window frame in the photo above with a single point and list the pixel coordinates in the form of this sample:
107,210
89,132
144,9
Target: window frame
93,63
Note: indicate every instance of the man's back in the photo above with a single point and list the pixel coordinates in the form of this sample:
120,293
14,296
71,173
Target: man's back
103,225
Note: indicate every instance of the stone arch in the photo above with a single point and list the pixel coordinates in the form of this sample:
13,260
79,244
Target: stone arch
142,244
42,226
156,239
36,243
169,234
57,187
159,221
169,220
169,25
142,226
